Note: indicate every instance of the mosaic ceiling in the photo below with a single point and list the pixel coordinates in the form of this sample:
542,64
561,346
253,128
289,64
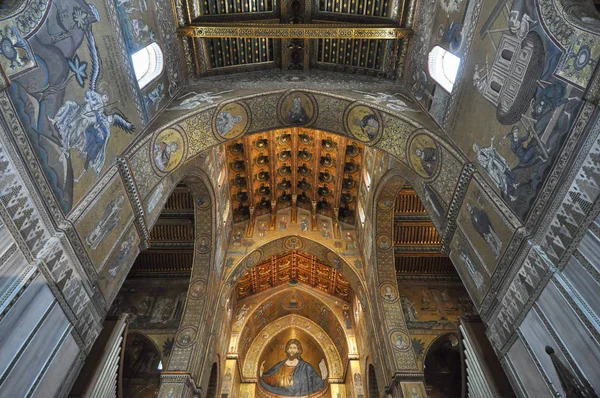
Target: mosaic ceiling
272,170
293,268
356,36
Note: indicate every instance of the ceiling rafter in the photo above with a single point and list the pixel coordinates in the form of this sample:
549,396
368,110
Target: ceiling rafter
295,31
294,168
293,267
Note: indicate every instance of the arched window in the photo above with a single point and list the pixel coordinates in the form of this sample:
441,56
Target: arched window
443,67
373,389
147,64
213,380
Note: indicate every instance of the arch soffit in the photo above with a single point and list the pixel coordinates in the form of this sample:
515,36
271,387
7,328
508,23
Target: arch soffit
271,293
391,183
437,340
334,361
199,132
167,185
242,329
147,339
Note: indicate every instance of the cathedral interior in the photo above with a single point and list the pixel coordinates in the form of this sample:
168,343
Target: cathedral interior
297,198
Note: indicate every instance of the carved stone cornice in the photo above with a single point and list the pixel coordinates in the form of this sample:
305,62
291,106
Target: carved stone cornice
134,199
185,381
45,248
457,199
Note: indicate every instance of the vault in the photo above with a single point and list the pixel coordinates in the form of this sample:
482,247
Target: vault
252,316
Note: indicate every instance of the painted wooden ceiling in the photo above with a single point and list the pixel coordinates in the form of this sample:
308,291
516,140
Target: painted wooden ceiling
268,171
171,250
230,52
293,268
417,244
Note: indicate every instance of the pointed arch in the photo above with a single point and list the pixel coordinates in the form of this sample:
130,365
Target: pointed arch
334,361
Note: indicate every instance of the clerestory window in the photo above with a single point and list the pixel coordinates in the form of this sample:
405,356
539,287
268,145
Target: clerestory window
147,64
443,67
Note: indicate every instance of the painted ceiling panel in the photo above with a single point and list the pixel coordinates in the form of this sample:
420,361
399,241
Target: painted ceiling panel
367,54
272,168
228,51
293,268
378,8
235,51
219,7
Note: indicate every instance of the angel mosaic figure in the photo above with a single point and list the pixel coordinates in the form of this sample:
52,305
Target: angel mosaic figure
193,99
86,127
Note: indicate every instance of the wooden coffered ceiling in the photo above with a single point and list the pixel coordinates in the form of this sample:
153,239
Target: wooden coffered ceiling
171,248
417,243
294,267
318,171
357,36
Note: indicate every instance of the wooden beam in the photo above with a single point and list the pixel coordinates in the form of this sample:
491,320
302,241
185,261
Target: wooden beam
295,31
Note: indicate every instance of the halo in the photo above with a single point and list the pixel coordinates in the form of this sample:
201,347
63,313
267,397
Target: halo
104,88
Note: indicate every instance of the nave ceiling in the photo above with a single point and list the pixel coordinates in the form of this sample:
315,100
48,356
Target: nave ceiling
227,36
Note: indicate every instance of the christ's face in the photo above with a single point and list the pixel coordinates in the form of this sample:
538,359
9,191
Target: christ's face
292,351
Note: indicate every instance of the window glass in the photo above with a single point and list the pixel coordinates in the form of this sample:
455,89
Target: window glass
443,67
147,64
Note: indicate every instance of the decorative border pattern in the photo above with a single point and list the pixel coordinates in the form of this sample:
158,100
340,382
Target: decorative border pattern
136,203
457,199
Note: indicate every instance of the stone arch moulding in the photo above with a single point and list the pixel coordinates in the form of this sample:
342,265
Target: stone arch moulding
383,121
303,288
320,250
156,199
347,346
191,336
382,279
332,356
324,252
